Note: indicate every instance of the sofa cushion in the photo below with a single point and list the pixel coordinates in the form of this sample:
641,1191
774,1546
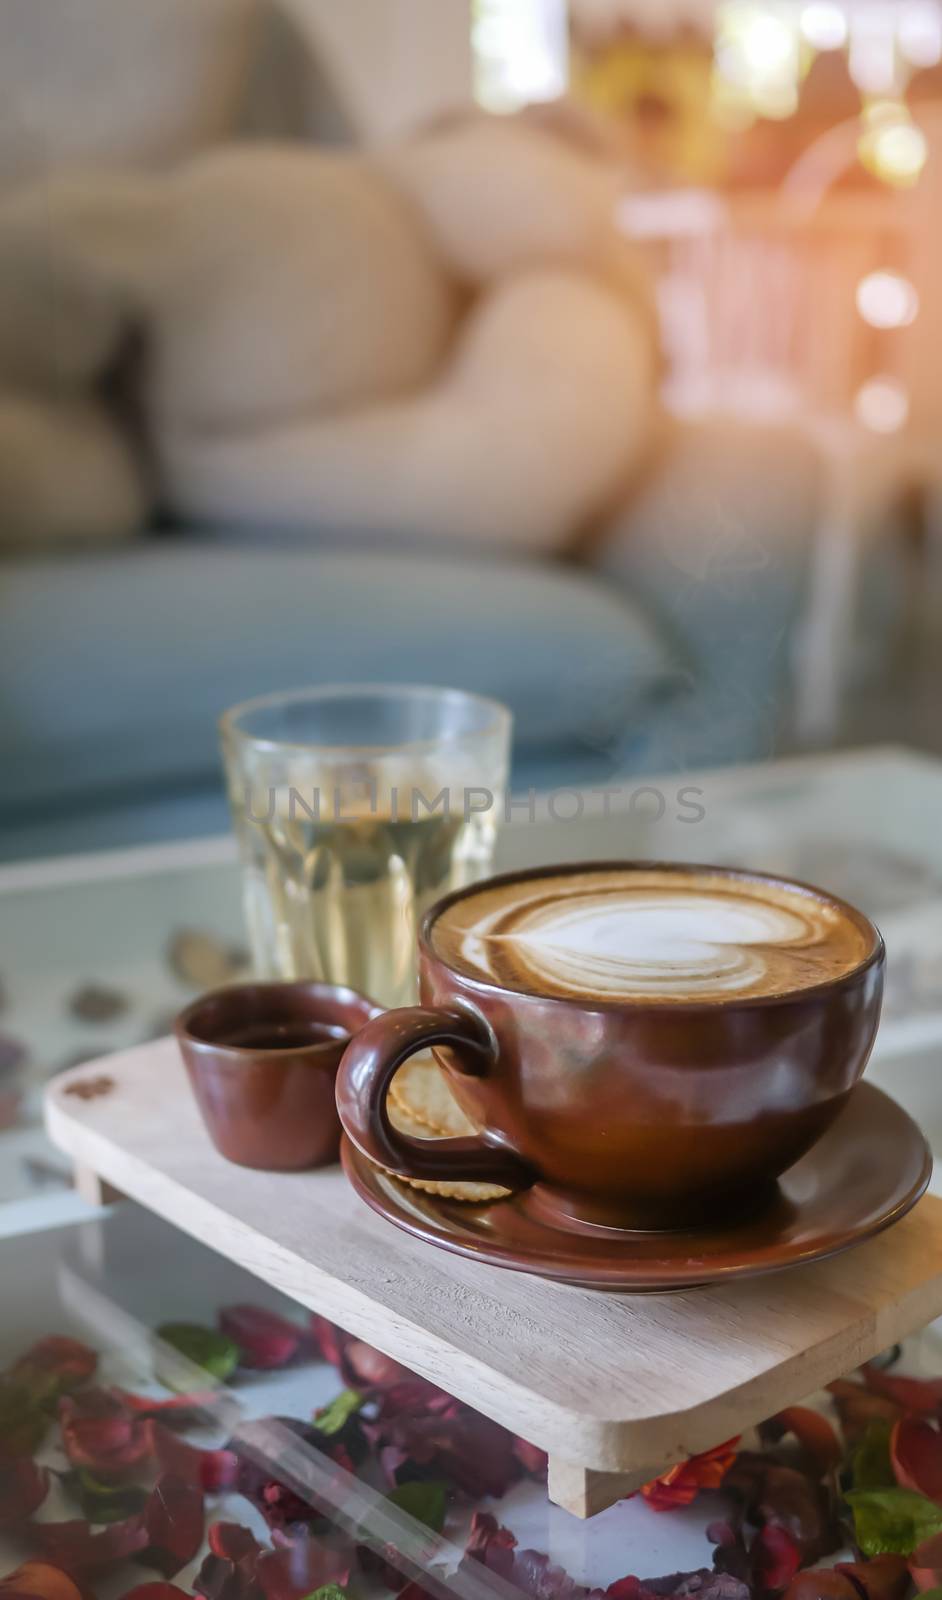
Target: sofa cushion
116,664
108,83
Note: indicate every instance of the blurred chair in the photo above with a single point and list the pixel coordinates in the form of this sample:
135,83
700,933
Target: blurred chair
759,304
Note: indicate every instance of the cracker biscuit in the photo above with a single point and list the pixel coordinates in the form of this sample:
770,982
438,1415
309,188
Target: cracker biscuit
477,1194
420,1089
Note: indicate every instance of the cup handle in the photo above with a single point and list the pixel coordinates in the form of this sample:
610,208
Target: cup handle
370,1061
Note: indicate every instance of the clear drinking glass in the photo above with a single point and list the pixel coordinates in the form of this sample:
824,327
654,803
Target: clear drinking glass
355,808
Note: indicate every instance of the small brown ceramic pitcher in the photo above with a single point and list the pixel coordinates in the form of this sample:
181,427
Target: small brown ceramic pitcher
262,1060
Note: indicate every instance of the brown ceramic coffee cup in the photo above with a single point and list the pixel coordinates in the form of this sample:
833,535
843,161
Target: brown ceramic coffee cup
632,1111
262,1060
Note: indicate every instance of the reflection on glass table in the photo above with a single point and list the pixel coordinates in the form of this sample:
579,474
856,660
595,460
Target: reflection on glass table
113,1281
98,954
170,1426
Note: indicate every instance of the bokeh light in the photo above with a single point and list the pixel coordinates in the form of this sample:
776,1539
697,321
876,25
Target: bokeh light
776,99
882,405
757,59
872,58
887,300
823,25
920,35
520,52
890,144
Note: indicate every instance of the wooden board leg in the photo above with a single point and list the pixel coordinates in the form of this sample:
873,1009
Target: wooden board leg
585,1492
93,1189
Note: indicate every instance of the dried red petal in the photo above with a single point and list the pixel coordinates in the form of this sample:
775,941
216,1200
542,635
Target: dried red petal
171,1453
414,1591
702,1584
39,1579
486,1531
813,1432
857,1407
776,1494
468,1450
775,1557
531,1458
662,1495
231,1542
66,1362
298,1569
23,1488
340,1455
881,1578
180,1410
921,1396
370,1368
535,1574
916,1457
360,1365
98,1434
266,1340
281,1506
79,1548
681,1484
219,1471
173,1522
490,1544
329,1340
212,1470
413,1395
156,1591
218,1579
532,1572
822,1584
925,1564
228,1572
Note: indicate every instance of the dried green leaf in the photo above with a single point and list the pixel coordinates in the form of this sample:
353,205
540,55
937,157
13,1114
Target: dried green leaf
105,1502
204,1347
871,1466
892,1521
333,1418
23,1421
424,1501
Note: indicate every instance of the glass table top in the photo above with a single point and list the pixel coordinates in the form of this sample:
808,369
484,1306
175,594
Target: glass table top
98,953
111,1281
262,1457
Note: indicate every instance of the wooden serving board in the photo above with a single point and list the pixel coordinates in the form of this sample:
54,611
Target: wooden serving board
614,1387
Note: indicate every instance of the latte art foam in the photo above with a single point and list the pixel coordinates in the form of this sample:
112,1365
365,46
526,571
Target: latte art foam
651,944
649,934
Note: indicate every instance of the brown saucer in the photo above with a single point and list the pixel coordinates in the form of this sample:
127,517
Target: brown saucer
866,1172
